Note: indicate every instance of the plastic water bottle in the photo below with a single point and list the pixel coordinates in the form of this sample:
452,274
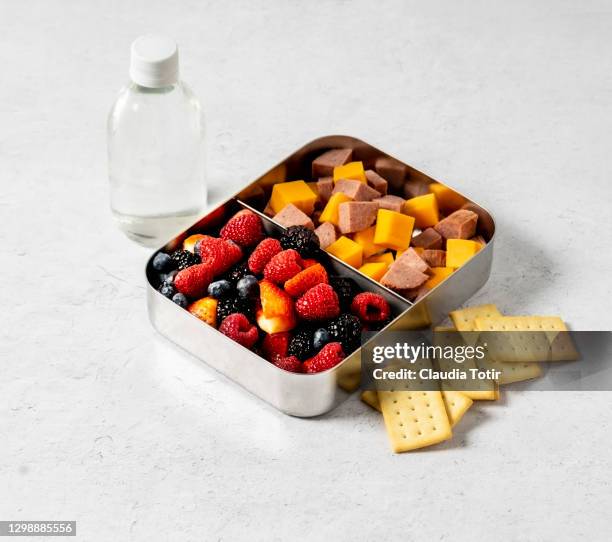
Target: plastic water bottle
156,147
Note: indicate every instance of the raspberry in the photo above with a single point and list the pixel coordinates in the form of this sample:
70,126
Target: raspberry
238,328
318,303
184,259
302,239
329,356
301,345
346,289
193,281
284,266
346,329
370,308
244,228
220,254
263,253
304,280
290,363
275,344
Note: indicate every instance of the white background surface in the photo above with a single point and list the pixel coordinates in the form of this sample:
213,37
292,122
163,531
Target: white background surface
104,422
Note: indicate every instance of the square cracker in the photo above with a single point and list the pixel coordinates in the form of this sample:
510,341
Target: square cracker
449,336
464,318
414,419
530,346
455,402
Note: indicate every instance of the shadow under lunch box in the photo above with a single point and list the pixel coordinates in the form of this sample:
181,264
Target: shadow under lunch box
307,395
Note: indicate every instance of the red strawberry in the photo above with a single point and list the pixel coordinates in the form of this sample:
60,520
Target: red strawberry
309,262
263,253
277,313
244,228
193,281
329,356
370,307
304,280
220,254
283,266
275,344
318,303
291,364
238,328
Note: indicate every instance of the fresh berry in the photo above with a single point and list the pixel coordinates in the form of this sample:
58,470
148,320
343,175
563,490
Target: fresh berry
219,288
231,304
318,303
284,266
320,338
277,310
370,307
162,262
302,239
191,242
346,329
220,254
263,253
309,262
205,309
290,363
244,228
167,290
237,272
184,259
181,300
306,279
329,356
275,345
346,289
248,287
168,278
238,328
193,281
301,344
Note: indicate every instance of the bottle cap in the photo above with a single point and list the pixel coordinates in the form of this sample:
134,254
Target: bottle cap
154,61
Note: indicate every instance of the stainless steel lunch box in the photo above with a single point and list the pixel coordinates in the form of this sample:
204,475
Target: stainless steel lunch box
300,394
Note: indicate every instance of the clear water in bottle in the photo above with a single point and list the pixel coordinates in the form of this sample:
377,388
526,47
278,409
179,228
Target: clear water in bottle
156,147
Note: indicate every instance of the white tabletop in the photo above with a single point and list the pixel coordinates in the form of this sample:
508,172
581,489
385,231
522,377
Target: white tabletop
106,423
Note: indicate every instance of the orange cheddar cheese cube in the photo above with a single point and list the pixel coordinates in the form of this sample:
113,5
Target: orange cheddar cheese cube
424,209
393,230
347,250
448,199
374,270
438,274
314,187
330,213
352,170
386,258
296,192
366,239
459,251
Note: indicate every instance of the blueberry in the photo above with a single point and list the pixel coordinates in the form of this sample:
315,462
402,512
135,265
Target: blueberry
320,339
162,262
167,290
168,278
181,300
219,288
248,287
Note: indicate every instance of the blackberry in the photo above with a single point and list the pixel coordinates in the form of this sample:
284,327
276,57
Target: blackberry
346,289
301,344
185,259
230,305
237,272
346,329
302,239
